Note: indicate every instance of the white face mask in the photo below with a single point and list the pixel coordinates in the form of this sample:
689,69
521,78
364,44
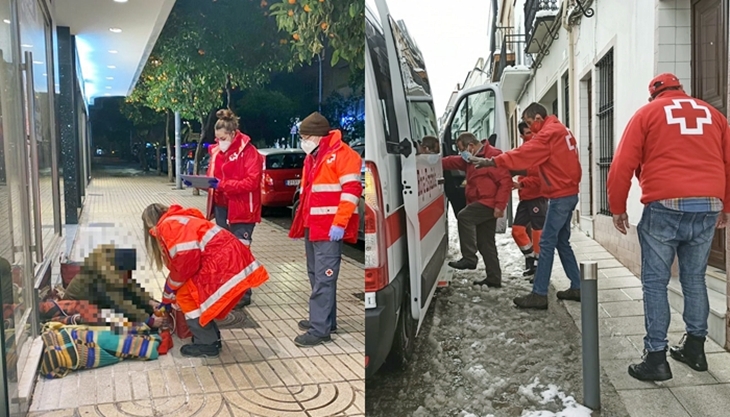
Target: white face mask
224,145
308,146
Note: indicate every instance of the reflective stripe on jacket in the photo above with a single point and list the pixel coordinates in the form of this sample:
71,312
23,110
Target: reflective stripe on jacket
211,262
331,190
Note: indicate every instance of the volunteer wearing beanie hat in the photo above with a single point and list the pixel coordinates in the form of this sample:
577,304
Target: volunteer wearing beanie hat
327,215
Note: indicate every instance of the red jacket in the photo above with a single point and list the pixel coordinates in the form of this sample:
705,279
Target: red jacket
682,147
489,186
209,262
239,171
531,185
331,191
554,152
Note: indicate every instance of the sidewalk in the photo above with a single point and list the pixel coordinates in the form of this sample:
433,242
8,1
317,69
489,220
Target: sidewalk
260,371
621,326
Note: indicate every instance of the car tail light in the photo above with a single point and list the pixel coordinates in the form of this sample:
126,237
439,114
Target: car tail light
376,249
268,181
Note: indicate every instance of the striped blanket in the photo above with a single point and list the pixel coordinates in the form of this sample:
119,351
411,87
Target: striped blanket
72,348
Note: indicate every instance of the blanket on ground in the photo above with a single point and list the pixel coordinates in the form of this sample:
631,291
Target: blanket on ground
72,348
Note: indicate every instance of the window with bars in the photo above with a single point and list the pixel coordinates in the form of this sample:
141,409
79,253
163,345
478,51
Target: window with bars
566,100
605,128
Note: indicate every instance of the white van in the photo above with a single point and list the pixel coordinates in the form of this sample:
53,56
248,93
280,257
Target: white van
406,231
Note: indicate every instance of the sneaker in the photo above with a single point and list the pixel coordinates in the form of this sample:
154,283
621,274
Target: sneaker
304,325
463,264
200,351
532,300
571,294
309,340
691,350
653,367
491,283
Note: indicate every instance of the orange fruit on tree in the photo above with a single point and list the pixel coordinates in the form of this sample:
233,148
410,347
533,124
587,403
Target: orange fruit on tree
307,8
290,13
295,36
292,1
324,26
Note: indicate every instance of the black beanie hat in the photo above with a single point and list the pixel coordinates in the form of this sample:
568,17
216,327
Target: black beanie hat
314,125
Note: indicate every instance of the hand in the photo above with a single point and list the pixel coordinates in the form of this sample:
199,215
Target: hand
157,321
213,183
621,222
516,185
187,183
722,220
498,214
482,162
336,233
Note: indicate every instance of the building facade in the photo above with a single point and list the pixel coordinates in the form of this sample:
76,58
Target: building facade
590,63
51,57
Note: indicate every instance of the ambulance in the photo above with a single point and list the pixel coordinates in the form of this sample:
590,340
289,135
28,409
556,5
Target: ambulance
406,230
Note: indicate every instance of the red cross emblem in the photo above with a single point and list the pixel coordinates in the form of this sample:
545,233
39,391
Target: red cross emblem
689,115
329,272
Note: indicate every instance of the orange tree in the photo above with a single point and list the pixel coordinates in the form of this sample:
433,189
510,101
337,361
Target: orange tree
314,26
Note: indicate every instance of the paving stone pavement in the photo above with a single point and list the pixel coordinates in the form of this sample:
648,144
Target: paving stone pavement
260,371
621,329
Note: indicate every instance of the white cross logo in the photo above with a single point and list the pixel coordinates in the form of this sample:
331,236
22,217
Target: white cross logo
693,112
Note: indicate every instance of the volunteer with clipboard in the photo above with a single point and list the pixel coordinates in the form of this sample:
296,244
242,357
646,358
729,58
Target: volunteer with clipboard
234,196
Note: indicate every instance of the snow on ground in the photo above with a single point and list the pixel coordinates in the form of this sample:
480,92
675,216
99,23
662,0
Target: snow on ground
478,356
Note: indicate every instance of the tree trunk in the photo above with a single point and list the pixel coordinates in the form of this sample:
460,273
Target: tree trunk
157,158
205,126
229,92
170,177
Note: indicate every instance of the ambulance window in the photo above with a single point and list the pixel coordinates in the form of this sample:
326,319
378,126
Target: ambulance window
423,120
476,114
381,68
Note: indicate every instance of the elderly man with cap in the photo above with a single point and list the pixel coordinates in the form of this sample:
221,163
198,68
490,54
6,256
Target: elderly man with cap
679,149
327,215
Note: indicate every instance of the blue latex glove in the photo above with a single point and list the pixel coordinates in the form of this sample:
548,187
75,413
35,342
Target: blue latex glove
213,184
336,233
187,183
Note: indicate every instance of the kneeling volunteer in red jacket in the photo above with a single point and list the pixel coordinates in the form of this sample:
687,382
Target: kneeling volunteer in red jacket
235,200
487,192
553,150
210,270
331,189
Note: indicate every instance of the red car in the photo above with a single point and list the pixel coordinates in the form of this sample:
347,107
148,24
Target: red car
282,175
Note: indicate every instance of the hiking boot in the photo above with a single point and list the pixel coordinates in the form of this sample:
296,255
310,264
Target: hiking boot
691,350
654,367
309,340
532,300
462,264
570,294
530,266
305,325
489,282
200,351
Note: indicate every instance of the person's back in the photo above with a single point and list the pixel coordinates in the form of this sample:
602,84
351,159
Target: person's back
678,140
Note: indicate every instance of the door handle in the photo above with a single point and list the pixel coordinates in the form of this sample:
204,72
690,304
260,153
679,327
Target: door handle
441,181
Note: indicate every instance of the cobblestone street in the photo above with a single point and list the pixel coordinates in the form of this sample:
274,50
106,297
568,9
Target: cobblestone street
260,371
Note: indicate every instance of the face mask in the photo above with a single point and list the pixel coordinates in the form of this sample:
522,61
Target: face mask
466,155
308,146
224,145
536,126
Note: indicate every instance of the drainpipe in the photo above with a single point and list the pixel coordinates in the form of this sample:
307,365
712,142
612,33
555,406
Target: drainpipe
572,83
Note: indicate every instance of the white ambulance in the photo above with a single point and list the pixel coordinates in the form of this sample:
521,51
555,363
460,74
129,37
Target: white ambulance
406,231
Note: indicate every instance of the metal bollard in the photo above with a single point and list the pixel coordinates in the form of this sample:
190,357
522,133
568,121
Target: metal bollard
589,325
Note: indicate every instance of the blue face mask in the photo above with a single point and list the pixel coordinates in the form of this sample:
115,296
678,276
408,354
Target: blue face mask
466,155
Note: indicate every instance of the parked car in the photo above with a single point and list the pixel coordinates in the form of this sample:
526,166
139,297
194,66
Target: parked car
282,175
360,148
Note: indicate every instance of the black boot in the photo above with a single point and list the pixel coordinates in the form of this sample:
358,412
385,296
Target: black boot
463,264
491,283
530,266
654,367
691,350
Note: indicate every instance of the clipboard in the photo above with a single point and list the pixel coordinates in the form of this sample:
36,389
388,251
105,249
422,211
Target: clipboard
198,181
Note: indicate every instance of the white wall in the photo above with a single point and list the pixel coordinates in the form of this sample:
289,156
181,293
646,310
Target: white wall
627,27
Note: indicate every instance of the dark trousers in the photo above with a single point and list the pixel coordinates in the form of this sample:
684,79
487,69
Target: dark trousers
477,227
323,267
204,335
243,231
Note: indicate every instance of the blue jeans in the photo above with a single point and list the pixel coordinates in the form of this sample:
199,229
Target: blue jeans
556,235
664,233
